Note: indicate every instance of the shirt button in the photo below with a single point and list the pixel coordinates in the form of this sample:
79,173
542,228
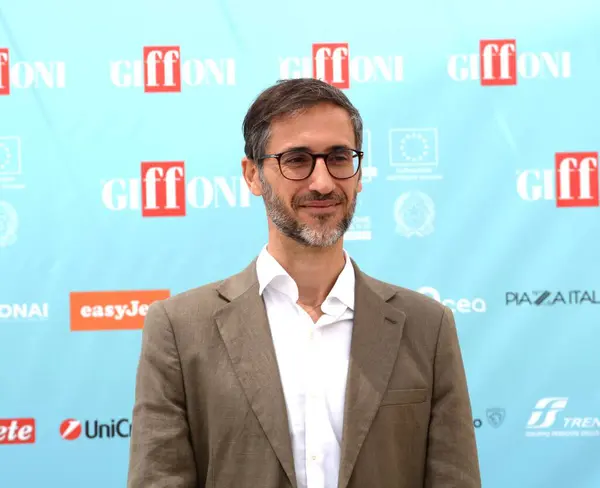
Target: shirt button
314,458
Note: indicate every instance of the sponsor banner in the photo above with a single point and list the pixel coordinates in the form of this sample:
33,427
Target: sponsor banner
573,182
165,189
17,431
550,298
112,310
499,63
72,429
550,418
169,69
333,63
29,74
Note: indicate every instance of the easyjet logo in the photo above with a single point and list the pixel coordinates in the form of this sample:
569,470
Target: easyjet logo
17,431
112,310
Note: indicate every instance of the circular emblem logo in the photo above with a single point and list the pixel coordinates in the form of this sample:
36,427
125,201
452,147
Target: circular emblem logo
70,429
414,212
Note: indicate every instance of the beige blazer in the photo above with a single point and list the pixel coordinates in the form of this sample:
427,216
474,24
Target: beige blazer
209,407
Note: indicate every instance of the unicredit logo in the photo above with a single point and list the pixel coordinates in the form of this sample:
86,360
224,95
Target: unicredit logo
72,429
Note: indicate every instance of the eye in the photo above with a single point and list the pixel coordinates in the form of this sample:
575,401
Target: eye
342,156
296,157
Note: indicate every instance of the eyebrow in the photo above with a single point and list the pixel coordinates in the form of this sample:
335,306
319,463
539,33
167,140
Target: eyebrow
308,149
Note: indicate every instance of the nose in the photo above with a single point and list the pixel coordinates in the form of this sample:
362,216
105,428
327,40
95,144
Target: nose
320,179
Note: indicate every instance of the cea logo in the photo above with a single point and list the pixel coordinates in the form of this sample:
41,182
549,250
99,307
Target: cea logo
462,305
72,429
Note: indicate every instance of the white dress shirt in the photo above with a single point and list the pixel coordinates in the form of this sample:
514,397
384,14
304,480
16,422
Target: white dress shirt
313,363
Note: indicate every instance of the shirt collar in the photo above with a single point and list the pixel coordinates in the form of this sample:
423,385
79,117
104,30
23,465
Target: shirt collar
271,274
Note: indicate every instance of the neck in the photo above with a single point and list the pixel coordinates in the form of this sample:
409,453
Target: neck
314,269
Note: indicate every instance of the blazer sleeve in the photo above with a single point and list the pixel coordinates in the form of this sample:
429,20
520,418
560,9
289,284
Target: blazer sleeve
452,460
161,452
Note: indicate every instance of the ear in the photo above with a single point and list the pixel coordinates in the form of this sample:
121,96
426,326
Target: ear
250,173
359,183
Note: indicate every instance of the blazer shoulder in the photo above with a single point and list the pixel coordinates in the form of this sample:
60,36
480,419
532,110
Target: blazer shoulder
409,301
200,301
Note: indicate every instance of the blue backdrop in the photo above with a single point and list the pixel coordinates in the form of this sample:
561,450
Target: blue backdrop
481,190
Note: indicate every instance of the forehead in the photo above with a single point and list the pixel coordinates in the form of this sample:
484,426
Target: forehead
317,128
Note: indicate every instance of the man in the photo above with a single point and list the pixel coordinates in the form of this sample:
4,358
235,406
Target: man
302,371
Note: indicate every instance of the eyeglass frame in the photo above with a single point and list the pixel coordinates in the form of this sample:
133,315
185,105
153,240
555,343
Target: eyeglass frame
315,156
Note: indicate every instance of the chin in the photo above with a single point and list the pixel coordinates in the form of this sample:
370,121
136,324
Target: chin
320,238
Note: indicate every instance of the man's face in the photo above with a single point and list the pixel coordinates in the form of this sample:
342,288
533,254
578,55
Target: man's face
316,211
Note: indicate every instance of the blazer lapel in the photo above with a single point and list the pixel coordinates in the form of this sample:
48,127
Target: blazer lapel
375,342
245,330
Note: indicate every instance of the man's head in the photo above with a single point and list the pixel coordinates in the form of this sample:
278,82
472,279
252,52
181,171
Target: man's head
285,125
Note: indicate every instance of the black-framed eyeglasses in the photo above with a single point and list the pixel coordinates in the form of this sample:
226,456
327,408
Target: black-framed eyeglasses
298,165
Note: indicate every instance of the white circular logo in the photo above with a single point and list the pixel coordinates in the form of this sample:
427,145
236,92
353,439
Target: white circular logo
414,212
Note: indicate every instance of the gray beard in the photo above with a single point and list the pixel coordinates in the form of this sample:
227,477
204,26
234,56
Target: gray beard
299,232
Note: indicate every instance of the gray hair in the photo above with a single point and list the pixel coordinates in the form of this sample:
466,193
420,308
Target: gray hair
288,98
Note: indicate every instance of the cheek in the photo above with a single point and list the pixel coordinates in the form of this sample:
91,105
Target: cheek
290,196
351,190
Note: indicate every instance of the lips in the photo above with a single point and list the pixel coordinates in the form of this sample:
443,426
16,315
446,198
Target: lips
321,204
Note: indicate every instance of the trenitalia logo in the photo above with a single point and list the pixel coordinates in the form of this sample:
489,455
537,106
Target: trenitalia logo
36,74
112,310
498,63
162,70
332,63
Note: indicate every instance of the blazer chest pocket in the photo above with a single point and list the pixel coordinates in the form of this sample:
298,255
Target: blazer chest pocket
404,397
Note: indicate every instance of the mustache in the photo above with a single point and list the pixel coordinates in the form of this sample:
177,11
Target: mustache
315,196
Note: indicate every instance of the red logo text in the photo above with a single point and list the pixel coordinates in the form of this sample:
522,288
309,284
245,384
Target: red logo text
29,74
576,179
162,69
17,431
331,64
163,189
498,62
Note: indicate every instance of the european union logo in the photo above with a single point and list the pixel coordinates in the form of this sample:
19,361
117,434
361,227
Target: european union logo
414,154
413,147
